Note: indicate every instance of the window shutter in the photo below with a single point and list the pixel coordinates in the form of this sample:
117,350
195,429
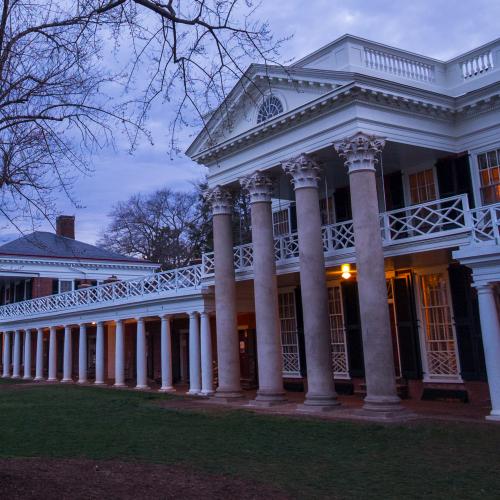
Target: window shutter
453,174
300,332
55,287
353,328
467,326
409,348
342,200
293,218
394,194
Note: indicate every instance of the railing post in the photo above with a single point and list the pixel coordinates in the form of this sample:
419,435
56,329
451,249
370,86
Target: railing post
494,224
386,230
468,221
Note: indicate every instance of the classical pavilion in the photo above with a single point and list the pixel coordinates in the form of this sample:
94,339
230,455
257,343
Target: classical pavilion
373,175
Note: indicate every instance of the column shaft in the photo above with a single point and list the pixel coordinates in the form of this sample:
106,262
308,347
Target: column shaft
194,354
68,355
119,354
207,379
6,354
52,354
39,354
142,381
27,354
490,328
16,362
166,355
99,354
82,354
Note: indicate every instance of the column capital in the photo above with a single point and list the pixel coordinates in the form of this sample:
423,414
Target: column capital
166,317
484,288
259,186
193,314
359,151
304,171
220,199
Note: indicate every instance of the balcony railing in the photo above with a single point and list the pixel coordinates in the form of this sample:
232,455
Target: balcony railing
442,218
168,281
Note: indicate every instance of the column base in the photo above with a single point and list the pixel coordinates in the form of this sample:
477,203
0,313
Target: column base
99,382
52,380
319,403
382,404
266,399
82,382
5,376
67,381
494,416
141,387
207,393
119,384
167,388
227,396
16,376
193,392
27,377
38,379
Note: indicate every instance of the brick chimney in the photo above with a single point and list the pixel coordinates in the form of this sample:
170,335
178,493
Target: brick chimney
65,226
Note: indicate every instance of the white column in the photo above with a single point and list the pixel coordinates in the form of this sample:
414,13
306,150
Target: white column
52,354
68,356
82,354
142,380
119,354
27,354
194,354
360,153
166,355
39,354
207,379
6,354
228,354
16,361
99,354
490,329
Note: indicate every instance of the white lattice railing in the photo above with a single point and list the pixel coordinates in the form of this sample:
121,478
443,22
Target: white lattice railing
417,222
176,279
477,65
397,65
486,221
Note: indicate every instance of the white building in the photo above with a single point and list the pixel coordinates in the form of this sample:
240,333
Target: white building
384,168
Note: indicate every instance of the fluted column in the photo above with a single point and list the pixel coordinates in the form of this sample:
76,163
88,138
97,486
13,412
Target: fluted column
27,354
359,152
490,329
6,354
166,355
269,352
39,354
228,355
142,381
99,354
207,378
320,387
52,354
16,360
67,355
194,354
82,354
119,354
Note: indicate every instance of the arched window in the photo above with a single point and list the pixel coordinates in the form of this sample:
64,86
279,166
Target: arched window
270,108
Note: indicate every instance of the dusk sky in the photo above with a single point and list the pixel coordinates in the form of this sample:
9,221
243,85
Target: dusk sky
437,28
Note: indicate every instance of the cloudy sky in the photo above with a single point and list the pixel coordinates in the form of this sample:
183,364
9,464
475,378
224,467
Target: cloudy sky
437,28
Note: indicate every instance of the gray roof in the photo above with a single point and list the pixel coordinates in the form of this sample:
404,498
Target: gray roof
50,245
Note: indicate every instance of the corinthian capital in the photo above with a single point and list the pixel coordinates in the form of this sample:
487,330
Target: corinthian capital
259,186
220,200
359,151
303,170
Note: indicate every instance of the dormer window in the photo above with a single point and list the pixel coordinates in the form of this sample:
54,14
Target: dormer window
270,108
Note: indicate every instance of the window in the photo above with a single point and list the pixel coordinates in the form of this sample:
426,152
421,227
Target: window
422,186
289,333
65,286
337,333
270,108
489,176
439,334
281,223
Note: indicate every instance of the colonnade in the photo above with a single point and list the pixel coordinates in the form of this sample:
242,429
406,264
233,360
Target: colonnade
200,354
360,154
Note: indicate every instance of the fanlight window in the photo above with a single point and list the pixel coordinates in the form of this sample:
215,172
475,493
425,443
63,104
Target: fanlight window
270,108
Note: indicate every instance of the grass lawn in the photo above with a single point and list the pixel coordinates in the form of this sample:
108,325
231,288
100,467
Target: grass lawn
303,457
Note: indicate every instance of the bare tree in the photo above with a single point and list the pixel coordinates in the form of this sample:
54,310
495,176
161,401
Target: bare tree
158,227
56,105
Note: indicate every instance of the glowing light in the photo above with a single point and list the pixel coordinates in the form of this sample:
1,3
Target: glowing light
346,271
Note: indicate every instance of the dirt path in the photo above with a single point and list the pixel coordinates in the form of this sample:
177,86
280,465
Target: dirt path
88,479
